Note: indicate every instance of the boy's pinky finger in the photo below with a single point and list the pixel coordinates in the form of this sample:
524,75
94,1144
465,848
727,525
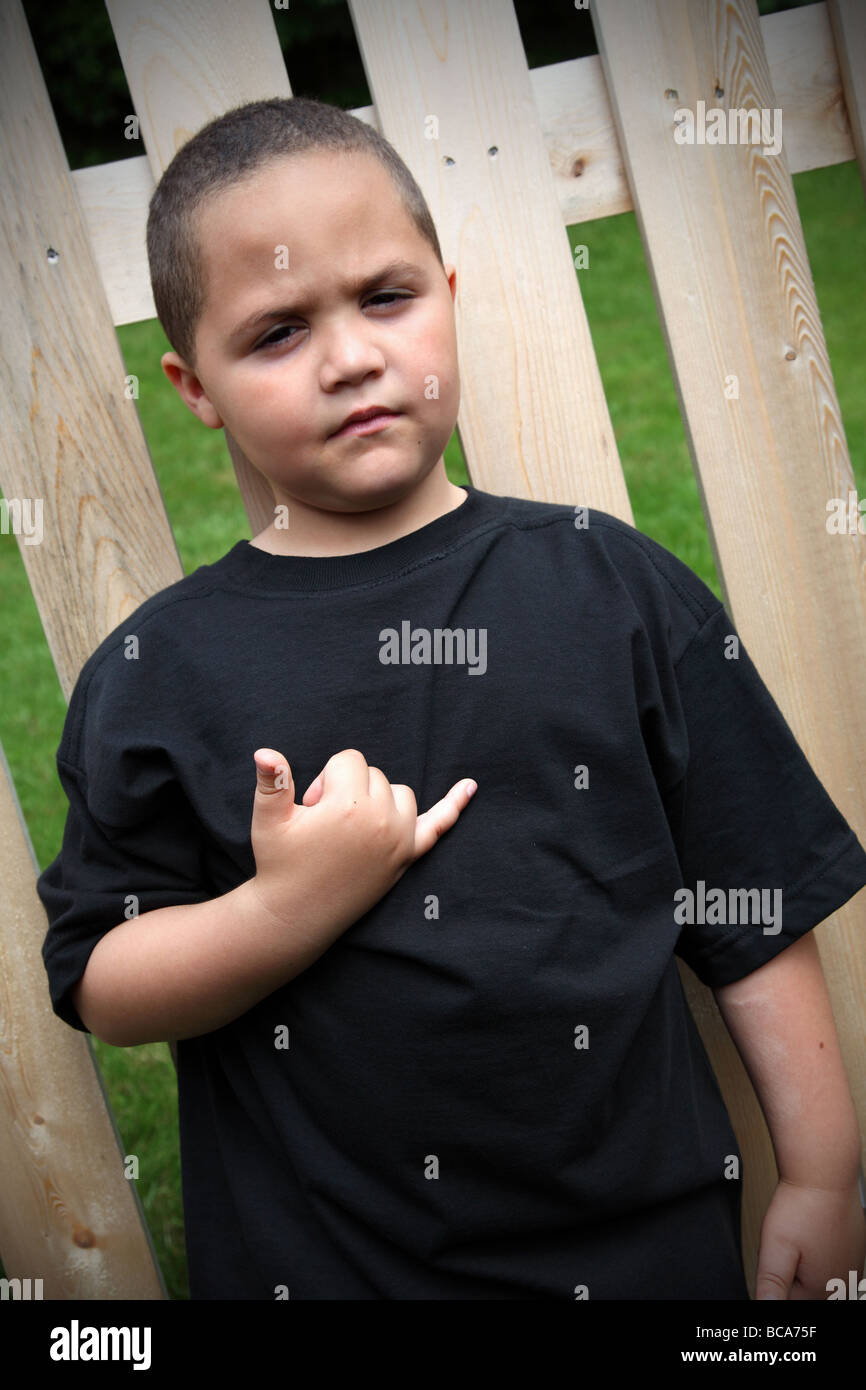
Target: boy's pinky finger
432,824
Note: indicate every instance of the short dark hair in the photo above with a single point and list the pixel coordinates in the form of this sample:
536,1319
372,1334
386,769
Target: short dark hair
227,150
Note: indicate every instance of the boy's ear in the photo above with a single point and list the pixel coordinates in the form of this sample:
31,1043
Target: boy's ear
190,389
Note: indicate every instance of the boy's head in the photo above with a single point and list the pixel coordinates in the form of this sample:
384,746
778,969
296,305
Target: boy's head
281,209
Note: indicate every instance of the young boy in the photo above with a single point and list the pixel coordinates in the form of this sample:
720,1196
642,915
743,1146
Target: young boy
413,1067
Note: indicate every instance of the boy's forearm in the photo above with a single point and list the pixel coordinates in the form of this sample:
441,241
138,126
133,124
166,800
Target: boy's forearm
781,1021
178,972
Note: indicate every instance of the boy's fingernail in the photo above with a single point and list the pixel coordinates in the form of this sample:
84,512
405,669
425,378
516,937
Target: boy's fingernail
471,788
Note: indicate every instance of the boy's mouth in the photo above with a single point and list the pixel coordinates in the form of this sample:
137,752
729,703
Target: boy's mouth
366,421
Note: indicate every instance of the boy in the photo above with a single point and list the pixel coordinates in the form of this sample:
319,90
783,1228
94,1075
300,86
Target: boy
414,1067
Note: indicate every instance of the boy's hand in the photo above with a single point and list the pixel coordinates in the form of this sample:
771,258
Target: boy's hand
349,842
810,1235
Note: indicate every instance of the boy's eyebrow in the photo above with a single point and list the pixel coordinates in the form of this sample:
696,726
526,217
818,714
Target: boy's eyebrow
394,270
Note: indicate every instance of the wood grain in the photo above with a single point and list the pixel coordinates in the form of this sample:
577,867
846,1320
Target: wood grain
735,296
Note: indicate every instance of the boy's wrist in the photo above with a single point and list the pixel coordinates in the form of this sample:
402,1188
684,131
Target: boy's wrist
830,1163
257,901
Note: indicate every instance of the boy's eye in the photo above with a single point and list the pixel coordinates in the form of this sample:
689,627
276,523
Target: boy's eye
277,335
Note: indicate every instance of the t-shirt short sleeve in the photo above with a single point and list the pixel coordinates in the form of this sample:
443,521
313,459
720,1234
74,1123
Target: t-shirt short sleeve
108,872
750,817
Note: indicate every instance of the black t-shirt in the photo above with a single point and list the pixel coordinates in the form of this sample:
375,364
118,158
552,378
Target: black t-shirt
493,1086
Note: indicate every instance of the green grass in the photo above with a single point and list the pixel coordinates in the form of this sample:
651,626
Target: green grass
202,500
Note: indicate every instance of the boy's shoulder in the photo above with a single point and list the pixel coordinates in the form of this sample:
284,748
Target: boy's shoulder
605,549
164,604
153,638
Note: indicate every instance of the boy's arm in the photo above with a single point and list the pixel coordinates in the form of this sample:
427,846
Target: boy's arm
781,1021
178,972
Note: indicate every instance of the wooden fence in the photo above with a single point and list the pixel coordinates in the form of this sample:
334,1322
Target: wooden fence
533,152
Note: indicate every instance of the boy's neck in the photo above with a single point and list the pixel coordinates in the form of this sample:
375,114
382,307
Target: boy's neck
320,534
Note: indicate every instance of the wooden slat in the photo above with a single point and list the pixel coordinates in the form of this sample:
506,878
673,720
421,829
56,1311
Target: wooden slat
73,439
848,22
184,65
114,200
67,1213
187,63
577,128
68,1216
533,417
805,76
732,282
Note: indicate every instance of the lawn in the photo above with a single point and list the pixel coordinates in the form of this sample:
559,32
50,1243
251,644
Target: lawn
202,500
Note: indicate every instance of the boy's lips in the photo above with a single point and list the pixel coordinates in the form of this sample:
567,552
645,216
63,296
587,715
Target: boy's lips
367,421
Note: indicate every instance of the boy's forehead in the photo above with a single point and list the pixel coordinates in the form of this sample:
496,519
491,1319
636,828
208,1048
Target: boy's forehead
315,184
304,201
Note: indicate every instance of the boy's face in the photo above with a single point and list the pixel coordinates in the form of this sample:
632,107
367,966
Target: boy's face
297,238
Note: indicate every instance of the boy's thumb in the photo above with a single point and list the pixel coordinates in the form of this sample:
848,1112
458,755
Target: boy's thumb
273,773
